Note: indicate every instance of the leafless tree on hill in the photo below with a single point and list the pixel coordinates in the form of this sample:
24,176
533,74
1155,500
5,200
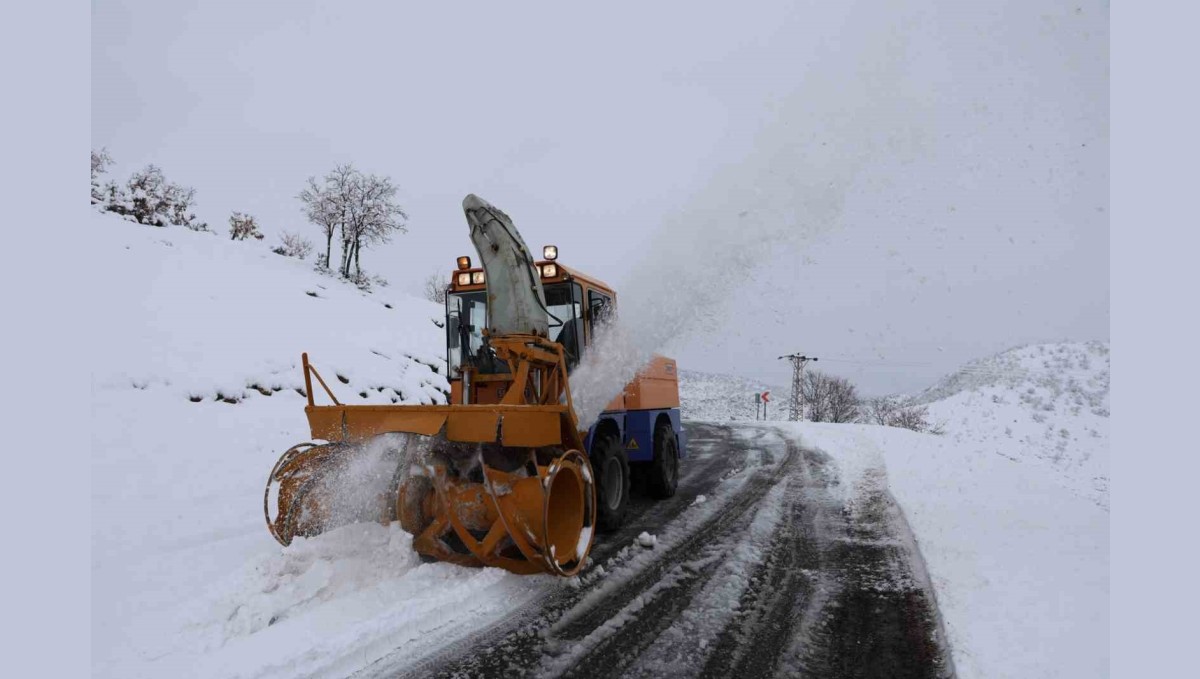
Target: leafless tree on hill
362,207
830,399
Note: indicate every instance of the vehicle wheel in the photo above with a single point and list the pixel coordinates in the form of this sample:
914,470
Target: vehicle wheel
410,504
611,466
664,470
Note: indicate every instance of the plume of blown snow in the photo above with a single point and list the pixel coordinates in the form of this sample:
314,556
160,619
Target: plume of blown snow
790,189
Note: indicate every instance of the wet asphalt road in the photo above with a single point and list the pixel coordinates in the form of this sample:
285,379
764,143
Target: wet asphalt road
778,572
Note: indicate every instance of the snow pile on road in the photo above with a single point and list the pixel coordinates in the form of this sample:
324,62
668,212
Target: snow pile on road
195,393
1044,403
717,398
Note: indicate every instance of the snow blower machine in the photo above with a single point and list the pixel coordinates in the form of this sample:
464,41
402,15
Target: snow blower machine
502,475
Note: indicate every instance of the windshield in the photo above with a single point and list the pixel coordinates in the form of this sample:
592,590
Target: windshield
466,317
565,304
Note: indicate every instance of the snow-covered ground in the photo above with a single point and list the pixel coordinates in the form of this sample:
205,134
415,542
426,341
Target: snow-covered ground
1044,403
1018,561
195,393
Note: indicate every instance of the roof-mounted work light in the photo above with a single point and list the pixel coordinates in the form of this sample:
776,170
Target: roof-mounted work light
464,278
477,277
464,262
550,252
549,270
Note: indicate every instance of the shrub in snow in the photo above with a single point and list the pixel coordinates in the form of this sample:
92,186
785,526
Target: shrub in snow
243,226
100,162
148,198
293,245
890,412
435,288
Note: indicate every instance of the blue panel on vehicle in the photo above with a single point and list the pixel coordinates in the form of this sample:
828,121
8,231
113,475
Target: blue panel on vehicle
637,431
639,434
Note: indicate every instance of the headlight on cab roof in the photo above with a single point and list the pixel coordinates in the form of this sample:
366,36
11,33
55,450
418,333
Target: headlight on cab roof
477,277
464,278
549,270
550,252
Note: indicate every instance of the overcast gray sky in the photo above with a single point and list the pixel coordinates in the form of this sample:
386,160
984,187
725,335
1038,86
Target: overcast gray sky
926,184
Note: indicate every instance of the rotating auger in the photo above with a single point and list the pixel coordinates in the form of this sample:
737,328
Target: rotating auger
501,484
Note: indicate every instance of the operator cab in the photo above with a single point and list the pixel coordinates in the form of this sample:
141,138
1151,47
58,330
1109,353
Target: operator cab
576,306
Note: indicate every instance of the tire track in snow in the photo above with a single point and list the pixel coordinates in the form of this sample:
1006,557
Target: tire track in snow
878,616
634,611
783,573
515,645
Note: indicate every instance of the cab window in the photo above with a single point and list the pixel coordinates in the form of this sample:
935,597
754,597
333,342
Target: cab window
600,312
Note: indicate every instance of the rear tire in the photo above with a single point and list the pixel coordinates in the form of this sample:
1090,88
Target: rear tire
610,464
664,470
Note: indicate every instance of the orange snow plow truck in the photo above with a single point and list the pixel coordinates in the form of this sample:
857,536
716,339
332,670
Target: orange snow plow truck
503,475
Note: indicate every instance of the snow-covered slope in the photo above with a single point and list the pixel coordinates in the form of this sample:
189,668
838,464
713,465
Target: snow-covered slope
718,398
1046,404
197,316
195,393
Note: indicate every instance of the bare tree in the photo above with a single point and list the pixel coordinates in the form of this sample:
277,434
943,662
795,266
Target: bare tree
325,203
243,226
435,288
880,410
361,207
372,216
915,418
889,411
830,399
814,390
843,400
293,245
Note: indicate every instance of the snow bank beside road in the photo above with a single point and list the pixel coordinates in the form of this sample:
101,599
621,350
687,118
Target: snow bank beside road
1018,561
1045,404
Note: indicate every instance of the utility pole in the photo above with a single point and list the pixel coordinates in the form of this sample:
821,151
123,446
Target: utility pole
798,360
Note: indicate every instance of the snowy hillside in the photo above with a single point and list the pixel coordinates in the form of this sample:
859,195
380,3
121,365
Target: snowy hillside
198,316
716,398
1044,403
196,391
